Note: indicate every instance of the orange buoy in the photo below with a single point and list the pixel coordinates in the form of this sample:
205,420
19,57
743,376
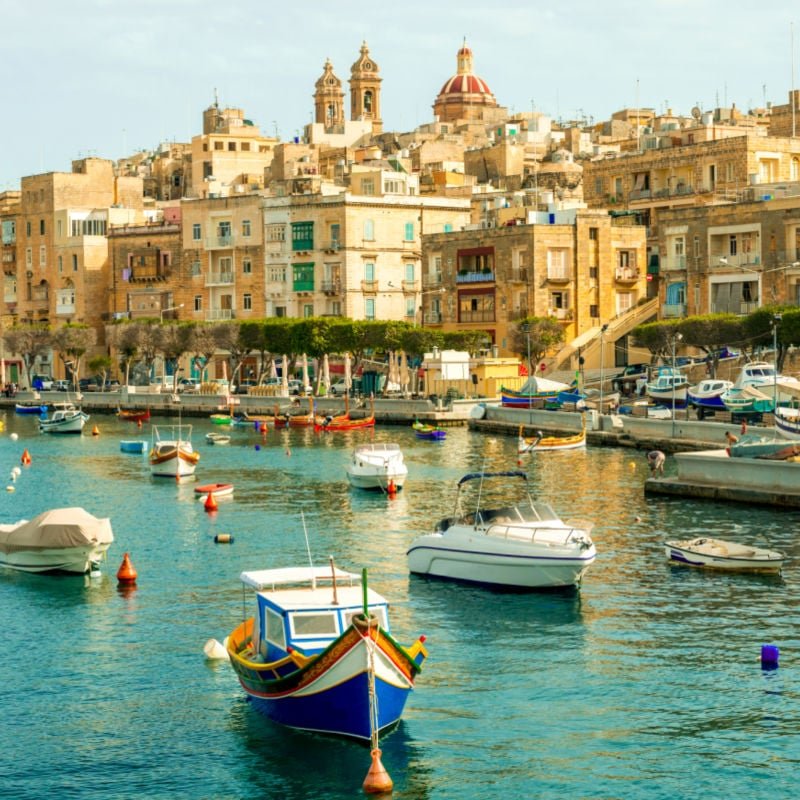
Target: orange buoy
391,488
377,780
95,431
210,503
26,457
138,423
126,572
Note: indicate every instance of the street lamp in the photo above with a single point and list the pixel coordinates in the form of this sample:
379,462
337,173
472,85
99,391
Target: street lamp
775,320
171,308
675,339
602,349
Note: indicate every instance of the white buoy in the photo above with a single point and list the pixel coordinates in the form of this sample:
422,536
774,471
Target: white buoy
16,471
10,488
214,650
14,437
95,573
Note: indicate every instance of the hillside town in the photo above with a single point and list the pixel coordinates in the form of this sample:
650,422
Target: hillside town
475,221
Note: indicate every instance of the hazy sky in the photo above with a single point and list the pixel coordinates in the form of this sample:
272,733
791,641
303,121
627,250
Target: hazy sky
109,77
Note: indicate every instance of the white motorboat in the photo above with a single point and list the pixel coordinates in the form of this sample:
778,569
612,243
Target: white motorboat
523,546
707,395
172,454
66,418
669,384
763,376
787,423
376,466
60,540
720,554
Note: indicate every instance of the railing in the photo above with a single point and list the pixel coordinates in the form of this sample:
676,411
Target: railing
331,287
432,317
626,274
219,277
65,309
558,275
369,286
519,275
219,242
475,277
673,310
673,262
732,307
410,286
561,313
556,536
738,260
432,280
333,245
477,316
219,313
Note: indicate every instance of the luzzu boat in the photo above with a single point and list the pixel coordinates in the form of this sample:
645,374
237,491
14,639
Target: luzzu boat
318,648
66,418
533,389
423,431
172,454
667,386
133,414
527,444
26,408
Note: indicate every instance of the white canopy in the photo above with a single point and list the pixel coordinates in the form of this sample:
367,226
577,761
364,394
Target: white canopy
58,528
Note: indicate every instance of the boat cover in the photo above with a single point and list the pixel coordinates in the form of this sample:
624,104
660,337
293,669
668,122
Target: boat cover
57,528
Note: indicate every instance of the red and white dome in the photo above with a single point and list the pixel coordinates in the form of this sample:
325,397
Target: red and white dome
463,95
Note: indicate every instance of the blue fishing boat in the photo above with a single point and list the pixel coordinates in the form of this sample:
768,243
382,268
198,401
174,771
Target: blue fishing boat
39,409
318,654
707,395
423,431
133,445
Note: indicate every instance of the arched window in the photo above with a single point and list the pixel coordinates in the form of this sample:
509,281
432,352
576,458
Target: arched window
794,169
368,102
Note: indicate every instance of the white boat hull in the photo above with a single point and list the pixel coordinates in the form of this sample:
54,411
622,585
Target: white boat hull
722,555
172,467
69,424
787,421
374,466
67,559
374,479
467,559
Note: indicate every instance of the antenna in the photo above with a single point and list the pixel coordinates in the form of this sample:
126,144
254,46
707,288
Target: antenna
308,549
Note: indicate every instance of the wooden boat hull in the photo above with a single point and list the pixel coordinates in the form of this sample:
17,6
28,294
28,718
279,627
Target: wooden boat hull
171,461
346,424
722,555
422,431
133,416
330,693
529,444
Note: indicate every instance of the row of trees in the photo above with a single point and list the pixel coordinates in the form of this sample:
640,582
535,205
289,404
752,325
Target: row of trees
137,344
711,332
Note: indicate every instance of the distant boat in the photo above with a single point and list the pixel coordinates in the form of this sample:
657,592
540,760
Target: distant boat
533,389
66,418
134,415
423,431
529,444
172,454
133,446
217,489
707,395
723,555
218,438
668,385
376,466
28,408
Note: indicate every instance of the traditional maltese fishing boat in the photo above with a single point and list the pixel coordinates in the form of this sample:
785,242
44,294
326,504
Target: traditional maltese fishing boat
172,454
527,444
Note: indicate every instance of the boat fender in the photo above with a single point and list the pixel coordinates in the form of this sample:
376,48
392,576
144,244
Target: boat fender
223,538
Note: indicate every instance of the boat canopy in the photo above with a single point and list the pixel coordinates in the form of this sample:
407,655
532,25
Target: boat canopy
57,528
293,576
480,475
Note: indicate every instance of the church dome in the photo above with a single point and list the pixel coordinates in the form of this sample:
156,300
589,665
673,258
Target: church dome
464,94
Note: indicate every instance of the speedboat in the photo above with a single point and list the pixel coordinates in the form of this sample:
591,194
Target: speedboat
668,384
720,554
522,546
172,454
66,418
318,655
707,395
59,540
376,466
761,445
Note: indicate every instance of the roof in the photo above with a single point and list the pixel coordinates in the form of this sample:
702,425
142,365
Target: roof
465,84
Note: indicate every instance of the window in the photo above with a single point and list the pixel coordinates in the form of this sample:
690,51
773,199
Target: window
599,185
247,302
42,256
280,311
732,244
369,308
411,307
232,146
680,245
593,271
409,232
303,277
368,186
41,227
594,312
369,230
224,229
276,233
409,271
302,236
28,257
246,227
559,300
226,266
87,227
61,263
369,271
730,172
198,302
308,310
335,231
313,623
74,262
592,234
28,228
197,232
277,273
194,269
247,266
476,307
275,633
447,227
697,247
244,146
557,264
9,227
219,145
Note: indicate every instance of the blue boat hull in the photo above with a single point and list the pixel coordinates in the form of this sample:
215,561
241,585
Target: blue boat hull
714,403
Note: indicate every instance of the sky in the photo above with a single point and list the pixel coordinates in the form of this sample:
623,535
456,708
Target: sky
108,78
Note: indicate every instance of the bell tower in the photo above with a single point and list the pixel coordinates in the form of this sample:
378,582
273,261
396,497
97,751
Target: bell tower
365,90
329,98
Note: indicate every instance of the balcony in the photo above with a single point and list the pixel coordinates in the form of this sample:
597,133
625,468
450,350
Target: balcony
519,275
673,310
626,274
737,260
220,242
674,263
432,317
219,278
215,314
487,315
332,246
562,314
559,275
734,307
432,280
65,309
517,313
331,287
410,286
475,277
39,295
369,287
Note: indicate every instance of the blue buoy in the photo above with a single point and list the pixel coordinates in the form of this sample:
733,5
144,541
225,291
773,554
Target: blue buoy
258,447
255,426
769,656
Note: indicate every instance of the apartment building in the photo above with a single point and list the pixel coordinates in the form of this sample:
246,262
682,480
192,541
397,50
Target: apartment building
353,255
579,266
63,269
729,258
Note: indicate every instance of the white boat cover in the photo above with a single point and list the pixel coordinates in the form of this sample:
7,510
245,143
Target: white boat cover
56,529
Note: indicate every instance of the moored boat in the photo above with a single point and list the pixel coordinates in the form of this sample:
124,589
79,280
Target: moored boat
668,385
217,489
133,446
218,438
133,415
376,466
533,389
66,418
707,395
527,444
317,648
756,445
787,423
524,545
172,454
31,408
423,431
59,540
720,554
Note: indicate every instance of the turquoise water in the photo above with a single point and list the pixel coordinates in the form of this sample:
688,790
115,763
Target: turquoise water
645,684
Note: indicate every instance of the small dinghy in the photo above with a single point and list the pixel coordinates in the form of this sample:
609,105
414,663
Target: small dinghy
133,445
217,489
719,554
218,438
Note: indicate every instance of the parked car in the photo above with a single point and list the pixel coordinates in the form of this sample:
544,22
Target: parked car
625,381
62,386
340,387
189,385
43,383
296,387
244,386
88,385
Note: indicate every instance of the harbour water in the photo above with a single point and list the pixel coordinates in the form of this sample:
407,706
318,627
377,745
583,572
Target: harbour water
644,684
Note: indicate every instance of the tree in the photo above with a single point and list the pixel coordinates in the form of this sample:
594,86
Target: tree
758,330
30,341
535,335
203,347
176,339
229,337
149,337
710,333
100,365
71,341
124,338
469,341
657,337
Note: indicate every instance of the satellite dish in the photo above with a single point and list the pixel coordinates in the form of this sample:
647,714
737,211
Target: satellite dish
696,112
